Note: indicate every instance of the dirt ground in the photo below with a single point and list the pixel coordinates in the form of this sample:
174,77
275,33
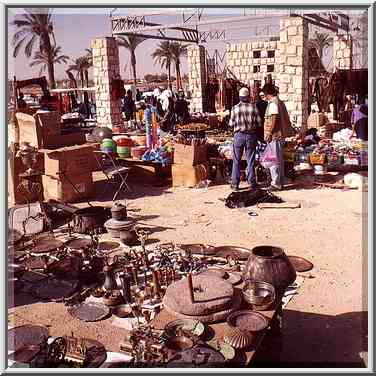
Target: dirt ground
325,325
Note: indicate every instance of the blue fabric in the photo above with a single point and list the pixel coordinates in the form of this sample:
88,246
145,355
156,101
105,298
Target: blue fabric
248,143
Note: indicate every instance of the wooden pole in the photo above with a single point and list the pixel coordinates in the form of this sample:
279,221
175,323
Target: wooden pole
190,286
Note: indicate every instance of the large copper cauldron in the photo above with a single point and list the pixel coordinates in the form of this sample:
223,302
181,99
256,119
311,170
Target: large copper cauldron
270,264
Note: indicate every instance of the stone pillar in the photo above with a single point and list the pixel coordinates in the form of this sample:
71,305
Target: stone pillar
342,51
197,77
106,69
293,68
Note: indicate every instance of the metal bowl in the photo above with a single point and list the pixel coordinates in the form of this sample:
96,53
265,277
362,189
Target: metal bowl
179,343
260,295
123,310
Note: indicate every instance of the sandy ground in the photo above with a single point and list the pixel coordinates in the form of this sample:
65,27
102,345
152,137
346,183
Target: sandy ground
324,325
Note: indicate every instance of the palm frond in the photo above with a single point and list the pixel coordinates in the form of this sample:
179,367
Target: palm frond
18,46
29,46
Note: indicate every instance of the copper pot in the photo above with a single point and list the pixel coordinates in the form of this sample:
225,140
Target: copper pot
270,264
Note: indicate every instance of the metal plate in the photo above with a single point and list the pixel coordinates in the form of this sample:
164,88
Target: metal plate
108,246
300,264
79,243
55,289
25,354
89,311
195,327
26,335
198,356
198,249
46,245
240,253
19,213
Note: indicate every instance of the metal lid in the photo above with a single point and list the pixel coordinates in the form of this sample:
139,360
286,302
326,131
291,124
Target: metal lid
114,224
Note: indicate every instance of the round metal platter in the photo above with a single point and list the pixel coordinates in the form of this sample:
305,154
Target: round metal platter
26,335
46,246
195,327
300,264
89,311
79,243
240,253
198,249
54,289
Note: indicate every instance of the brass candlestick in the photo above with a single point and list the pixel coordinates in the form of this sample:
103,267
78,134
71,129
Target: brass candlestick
190,287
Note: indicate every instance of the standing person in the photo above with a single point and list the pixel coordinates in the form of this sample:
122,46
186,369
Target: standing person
129,107
21,104
277,127
181,109
138,95
359,122
148,116
261,105
245,120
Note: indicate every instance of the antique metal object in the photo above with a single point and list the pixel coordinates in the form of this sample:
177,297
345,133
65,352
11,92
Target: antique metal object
179,343
118,211
89,311
300,264
122,310
194,327
25,354
76,350
260,295
112,298
270,264
156,284
90,220
126,280
110,281
57,351
197,356
198,249
244,326
115,227
190,288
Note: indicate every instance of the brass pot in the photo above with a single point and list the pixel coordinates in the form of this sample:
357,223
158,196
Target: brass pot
270,264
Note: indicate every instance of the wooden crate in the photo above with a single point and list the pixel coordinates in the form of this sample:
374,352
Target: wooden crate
189,176
188,155
59,188
73,160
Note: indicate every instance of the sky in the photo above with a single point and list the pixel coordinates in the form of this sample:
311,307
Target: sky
75,28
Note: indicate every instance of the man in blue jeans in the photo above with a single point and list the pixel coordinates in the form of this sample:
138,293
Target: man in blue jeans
245,120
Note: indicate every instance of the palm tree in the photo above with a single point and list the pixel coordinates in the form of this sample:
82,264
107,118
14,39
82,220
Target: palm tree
130,42
42,58
178,50
163,56
36,25
81,65
321,42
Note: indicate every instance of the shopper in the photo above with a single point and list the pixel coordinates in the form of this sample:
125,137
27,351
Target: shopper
181,109
277,127
245,120
129,107
261,105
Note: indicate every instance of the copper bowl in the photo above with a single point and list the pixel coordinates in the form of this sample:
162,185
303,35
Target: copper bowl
260,295
179,343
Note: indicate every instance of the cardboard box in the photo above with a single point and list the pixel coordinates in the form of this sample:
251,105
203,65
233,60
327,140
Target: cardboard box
59,188
189,176
73,160
188,155
15,168
42,131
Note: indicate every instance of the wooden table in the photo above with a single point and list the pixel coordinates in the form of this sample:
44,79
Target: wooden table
243,357
159,169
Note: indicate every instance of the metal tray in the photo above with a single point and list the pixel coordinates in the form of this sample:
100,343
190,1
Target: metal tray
89,311
300,264
26,335
240,253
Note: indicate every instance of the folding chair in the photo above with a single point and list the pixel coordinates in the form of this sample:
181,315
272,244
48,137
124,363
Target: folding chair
111,170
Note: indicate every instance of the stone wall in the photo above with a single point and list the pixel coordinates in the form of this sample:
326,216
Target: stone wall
246,67
293,68
342,51
106,68
197,77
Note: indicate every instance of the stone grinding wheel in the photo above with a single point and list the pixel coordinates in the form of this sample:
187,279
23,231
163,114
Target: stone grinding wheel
216,316
211,293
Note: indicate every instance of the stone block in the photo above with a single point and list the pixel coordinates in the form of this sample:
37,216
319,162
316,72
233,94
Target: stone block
244,46
291,49
244,62
264,53
263,61
237,62
292,31
347,53
283,37
250,62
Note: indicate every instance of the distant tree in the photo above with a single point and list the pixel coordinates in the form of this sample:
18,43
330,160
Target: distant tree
178,50
36,25
81,65
44,57
163,56
321,42
131,42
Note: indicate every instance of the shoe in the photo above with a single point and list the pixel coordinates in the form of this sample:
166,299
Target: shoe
234,188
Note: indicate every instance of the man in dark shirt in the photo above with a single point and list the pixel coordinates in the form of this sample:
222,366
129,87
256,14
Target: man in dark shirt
261,105
245,120
129,107
181,109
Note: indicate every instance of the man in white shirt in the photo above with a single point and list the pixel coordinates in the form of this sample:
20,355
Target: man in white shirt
277,127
